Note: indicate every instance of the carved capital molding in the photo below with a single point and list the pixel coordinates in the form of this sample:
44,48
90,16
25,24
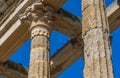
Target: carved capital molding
40,18
38,14
40,31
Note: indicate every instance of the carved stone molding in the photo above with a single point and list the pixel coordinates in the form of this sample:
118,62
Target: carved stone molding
40,18
40,31
38,13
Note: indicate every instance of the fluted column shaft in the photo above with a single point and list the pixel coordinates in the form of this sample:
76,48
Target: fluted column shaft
97,50
40,19
40,57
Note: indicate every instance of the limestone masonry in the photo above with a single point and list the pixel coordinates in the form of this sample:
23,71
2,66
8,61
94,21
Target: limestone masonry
36,19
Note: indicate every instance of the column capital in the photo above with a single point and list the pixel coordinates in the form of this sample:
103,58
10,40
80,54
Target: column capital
41,21
38,14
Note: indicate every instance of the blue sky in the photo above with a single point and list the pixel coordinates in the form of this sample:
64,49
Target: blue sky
58,40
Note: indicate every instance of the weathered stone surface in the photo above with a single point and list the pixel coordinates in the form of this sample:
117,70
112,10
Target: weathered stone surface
87,3
40,19
12,70
97,52
39,61
69,28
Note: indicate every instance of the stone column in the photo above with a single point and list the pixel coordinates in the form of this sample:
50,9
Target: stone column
95,32
40,57
40,49
40,19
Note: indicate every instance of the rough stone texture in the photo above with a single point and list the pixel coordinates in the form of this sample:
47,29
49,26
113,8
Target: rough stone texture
65,23
4,4
40,19
97,52
12,70
40,59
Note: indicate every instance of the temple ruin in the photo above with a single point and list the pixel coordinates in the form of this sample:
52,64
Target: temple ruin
21,20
